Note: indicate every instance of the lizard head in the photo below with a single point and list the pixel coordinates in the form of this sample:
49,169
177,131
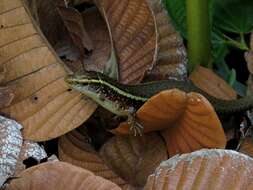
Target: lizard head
95,86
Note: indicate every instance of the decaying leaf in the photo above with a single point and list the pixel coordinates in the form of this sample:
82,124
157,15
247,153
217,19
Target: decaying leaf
246,146
183,120
172,56
29,149
42,104
204,169
73,21
10,146
59,175
211,83
134,158
74,149
134,36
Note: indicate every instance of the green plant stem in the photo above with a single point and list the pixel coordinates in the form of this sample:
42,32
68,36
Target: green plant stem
238,44
198,29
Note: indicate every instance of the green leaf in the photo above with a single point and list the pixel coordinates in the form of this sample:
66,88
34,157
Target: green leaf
219,47
177,11
234,15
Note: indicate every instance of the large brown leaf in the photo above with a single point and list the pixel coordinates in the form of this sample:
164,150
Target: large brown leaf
74,149
204,169
182,119
172,56
42,104
59,175
134,158
211,83
132,25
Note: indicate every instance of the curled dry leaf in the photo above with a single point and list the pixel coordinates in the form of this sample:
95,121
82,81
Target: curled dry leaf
10,146
204,169
134,158
73,22
29,149
211,83
74,149
59,175
98,32
42,104
172,56
246,146
183,120
134,36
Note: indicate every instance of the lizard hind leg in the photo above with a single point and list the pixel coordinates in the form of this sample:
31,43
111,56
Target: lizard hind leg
135,126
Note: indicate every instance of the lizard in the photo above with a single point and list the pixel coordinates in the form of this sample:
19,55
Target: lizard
125,100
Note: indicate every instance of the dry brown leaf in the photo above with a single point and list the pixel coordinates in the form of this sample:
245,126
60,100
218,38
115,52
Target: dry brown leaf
73,22
134,36
42,104
246,146
97,30
59,175
73,149
211,83
204,169
183,120
134,158
172,56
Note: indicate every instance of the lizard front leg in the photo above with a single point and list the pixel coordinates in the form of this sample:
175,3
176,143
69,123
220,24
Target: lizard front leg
135,126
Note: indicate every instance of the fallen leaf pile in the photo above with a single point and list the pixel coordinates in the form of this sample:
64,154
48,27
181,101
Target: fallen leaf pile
183,141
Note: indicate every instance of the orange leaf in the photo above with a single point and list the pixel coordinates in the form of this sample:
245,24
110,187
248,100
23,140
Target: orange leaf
172,56
59,175
134,36
183,120
73,149
134,158
204,169
42,104
211,83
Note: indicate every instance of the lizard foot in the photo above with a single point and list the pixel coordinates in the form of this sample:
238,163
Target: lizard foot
135,127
